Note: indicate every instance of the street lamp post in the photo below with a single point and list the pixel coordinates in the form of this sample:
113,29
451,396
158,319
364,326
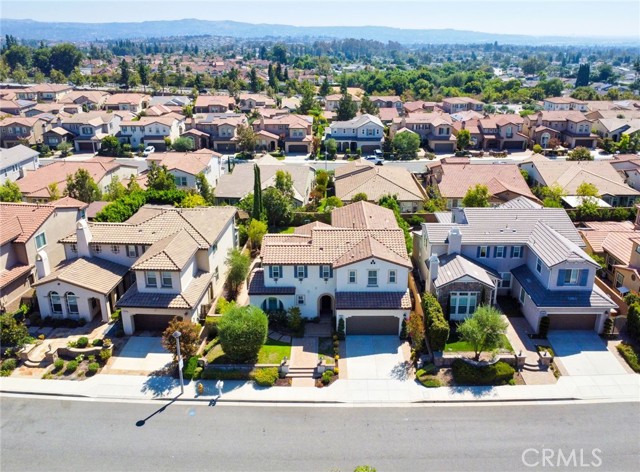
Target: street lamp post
177,335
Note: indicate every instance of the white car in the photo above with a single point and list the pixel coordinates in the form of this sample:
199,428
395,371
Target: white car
148,150
375,159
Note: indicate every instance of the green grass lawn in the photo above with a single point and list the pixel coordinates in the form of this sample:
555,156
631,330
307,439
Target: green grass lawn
325,348
456,345
271,353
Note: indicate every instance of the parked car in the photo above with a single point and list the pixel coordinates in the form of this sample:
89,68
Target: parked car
148,150
375,159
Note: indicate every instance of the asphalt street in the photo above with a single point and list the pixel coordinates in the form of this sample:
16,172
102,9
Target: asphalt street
70,435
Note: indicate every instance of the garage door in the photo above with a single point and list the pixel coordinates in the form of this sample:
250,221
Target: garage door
159,147
584,142
513,145
151,322
443,148
226,148
572,321
373,325
85,147
298,148
368,149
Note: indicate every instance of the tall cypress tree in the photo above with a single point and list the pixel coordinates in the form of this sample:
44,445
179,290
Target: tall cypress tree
258,208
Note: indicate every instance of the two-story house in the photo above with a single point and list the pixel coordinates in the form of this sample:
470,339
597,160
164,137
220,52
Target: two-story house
160,264
365,132
332,102
387,101
213,104
29,131
356,269
185,166
434,129
293,132
534,255
222,130
564,104
45,92
29,229
252,101
16,161
133,102
90,128
152,131
87,99
495,132
569,127
458,104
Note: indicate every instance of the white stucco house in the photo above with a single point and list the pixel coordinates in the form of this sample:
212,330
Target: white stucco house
357,269
160,264
365,132
185,166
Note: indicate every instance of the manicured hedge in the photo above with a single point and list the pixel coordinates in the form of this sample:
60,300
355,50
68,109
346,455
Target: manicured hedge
465,373
190,368
436,325
630,355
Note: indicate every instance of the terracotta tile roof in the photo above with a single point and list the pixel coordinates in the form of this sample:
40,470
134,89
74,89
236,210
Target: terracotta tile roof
130,98
208,100
370,247
388,114
94,274
363,215
69,202
14,273
306,229
170,253
22,220
257,287
620,245
373,300
190,162
188,298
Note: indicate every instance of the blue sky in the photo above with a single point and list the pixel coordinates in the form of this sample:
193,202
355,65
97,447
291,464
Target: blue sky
533,17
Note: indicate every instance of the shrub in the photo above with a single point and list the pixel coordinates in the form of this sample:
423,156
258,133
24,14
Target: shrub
429,369
430,381
97,342
633,318
72,366
82,342
543,330
8,366
58,364
197,373
91,358
106,342
327,376
72,344
403,329
189,339
190,368
266,377
211,325
92,368
537,148
105,355
223,374
629,355
437,328
210,345
223,305
296,323
341,334
242,332
495,374
608,327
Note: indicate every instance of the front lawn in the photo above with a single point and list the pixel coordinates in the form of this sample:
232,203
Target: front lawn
456,345
273,352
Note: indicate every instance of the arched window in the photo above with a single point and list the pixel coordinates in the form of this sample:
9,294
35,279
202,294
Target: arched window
56,302
72,303
272,304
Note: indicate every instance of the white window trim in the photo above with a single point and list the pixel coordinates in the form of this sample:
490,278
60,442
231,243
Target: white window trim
355,277
369,271
146,279
162,278
300,299
522,296
395,276
275,272
71,312
486,252
503,251
539,265
326,272
299,272
42,233
502,280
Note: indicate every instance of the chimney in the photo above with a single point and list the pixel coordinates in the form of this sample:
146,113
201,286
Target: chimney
261,122
464,124
42,264
434,264
457,215
84,236
455,241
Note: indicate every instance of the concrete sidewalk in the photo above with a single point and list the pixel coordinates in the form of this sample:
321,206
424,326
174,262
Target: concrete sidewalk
130,387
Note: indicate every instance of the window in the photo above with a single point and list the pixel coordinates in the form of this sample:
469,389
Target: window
152,281
181,181
132,251
167,281
96,248
56,303
72,303
326,272
505,280
41,241
571,277
483,251
115,249
393,275
74,248
619,280
300,299
499,251
353,277
521,297
516,251
538,265
275,272
463,303
301,272
216,273
372,278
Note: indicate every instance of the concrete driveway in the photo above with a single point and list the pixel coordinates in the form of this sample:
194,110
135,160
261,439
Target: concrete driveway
375,358
141,354
584,353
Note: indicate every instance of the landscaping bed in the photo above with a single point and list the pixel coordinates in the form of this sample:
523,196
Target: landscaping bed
630,355
79,368
272,352
327,348
465,373
263,376
455,344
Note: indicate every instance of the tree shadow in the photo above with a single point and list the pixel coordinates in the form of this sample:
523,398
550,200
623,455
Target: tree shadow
485,391
142,422
401,371
159,384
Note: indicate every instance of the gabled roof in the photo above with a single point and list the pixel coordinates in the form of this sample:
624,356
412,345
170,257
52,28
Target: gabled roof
189,162
94,274
453,267
367,248
20,221
357,122
553,248
188,298
170,253
15,155
363,215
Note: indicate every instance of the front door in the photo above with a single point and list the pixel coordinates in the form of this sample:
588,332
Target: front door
326,305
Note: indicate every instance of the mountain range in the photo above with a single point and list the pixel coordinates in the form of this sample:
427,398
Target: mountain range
79,32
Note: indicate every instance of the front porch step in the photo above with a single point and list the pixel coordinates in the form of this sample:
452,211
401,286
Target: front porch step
301,372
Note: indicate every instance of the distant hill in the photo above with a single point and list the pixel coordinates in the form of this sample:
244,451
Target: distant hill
29,29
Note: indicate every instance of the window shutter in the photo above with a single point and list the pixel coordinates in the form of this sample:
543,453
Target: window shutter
478,252
270,272
521,251
320,271
330,272
584,275
512,250
495,251
560,278
281,272
305,272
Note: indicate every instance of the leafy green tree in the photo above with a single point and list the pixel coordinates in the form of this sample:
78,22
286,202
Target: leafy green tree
277,207
42,59
308,101
57,77
367,106
133,185
10,192
415,329
551,196
325,88
125,74
189,338
587,189
54,191
483,330
580,154
242,332
81,186
331,147
205,190
76,77
436,325
477,197
582,79
360,197
406,145
552,88
256,231
463,139
144,73
13,332
192,200
347,108
238,264
182,144
284,183
247,140
110,146
391,202
65,148
65,57
258,205
159,178
115,189
255,83
18,55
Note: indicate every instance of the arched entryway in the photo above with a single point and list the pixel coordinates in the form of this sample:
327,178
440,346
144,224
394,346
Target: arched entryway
325,305
544,140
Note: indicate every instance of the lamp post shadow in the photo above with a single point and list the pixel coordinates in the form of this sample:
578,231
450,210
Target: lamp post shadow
142,422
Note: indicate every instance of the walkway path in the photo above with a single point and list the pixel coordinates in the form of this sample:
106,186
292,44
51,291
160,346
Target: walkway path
532,374
304,360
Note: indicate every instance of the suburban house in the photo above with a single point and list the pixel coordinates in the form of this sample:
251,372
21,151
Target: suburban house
133,102
56,136
331,102
16,130
251,101
615,128
361,176
90,128
419,106
35,184
222,130
87,99
29,229
458,104
365,132
185,166
387,101
213,104
16,161
533,255
355,269
434,130
564,104
495,132
570,127
570,174
160,264
238,184
45,92
453,180
16,107
290,132
56,109
152,131
628,166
